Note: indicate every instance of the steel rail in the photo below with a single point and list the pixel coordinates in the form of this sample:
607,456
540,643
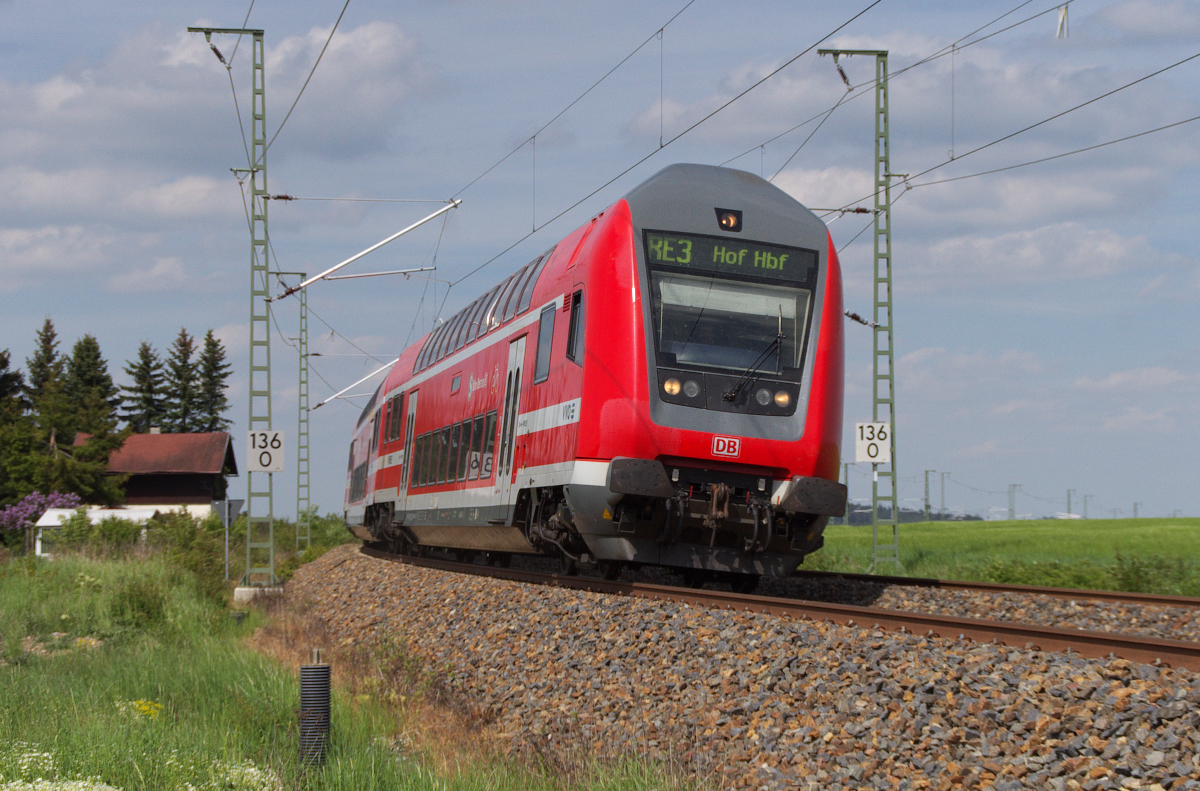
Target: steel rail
1155,599
1094,645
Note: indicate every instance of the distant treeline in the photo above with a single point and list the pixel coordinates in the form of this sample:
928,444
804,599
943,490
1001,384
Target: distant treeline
57,396
861,515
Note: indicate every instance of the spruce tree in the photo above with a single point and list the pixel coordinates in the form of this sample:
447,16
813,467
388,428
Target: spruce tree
53,418
211,402
45,363
12,389
16,435
89,389
145,402
181,385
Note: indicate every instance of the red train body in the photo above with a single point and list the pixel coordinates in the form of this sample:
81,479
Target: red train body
663,386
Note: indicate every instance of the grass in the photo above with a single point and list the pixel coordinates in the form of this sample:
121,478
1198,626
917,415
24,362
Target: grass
126,673
1146,555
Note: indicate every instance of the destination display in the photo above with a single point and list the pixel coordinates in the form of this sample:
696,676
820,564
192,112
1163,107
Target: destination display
718,254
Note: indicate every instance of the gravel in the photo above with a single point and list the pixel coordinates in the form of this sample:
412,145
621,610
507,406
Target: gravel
1172,623
765,702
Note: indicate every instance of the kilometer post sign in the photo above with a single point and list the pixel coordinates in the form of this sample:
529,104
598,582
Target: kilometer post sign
264,451
873,443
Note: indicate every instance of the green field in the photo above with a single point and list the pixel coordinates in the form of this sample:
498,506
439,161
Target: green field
131,674
1150,555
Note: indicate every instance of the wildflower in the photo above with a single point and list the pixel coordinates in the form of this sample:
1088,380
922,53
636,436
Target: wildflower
140,708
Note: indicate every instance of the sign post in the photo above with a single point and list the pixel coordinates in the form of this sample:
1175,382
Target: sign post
873,445
227,510
264,453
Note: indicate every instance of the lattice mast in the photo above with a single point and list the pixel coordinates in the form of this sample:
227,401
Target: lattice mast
303,526
260,512
883,403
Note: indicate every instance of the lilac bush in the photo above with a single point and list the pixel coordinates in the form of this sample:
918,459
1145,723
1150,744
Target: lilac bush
24,514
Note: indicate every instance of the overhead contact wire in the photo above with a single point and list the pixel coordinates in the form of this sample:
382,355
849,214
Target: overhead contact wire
310,76
669,142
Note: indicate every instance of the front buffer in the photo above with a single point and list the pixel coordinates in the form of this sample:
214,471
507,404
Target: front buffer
645,512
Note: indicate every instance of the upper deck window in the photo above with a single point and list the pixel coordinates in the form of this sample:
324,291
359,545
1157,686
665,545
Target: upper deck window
527,292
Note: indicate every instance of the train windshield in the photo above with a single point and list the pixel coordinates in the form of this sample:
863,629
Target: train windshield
722,323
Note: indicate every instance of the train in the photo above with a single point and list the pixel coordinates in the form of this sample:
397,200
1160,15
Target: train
661,387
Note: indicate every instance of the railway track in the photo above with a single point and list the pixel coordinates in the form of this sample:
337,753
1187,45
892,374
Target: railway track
1150,650
1074,594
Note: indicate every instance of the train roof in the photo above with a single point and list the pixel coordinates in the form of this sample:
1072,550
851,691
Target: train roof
679,197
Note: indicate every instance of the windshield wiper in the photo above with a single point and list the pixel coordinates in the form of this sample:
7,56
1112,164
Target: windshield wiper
764,355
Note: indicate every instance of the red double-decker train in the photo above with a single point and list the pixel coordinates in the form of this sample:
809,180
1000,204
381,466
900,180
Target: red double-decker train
663,386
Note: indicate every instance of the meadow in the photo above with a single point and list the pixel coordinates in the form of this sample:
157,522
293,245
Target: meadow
129,671
1147,555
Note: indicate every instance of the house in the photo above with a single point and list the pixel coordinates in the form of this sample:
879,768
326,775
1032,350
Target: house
169,471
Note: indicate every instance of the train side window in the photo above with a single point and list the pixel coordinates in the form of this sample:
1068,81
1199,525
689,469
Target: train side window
518,286
464,450
455,452
350,464
430,457
443,447
541,370
461,338
447,339
419,365
497,309
502,313
376,429
399,407
575,335
414,469
527,294
485,304
434,340
473,321
489,445
476,446
525,287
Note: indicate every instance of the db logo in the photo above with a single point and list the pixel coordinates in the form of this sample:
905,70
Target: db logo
727,446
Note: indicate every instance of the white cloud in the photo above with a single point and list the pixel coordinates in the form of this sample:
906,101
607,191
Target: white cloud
51,251
1149,21
1051,253
166,274
110,194
1135,419
1153,379
828,187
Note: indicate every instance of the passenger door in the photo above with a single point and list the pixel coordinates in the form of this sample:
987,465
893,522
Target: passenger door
406,460
508,425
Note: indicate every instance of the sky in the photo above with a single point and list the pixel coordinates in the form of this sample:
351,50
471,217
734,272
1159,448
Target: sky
1046,323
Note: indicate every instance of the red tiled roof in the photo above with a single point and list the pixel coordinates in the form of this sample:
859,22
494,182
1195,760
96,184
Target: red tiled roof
172,453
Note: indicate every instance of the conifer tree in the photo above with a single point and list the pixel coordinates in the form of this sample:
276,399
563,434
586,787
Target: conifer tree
181,385
45,363
15,433
89,389
211,402
146,400
12,388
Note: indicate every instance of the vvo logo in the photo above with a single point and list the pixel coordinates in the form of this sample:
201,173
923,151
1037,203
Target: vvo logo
727,446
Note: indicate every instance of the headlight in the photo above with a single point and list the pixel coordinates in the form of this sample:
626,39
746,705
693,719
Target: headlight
763,396
691,389
782,399
671,386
